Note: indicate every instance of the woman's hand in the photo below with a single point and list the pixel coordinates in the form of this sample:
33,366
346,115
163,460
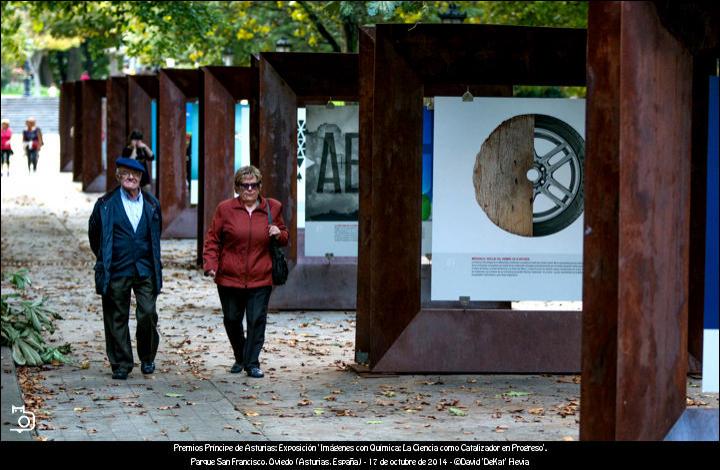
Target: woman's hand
273,230
211,273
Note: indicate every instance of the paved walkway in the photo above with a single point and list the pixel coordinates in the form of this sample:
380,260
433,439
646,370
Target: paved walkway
309,393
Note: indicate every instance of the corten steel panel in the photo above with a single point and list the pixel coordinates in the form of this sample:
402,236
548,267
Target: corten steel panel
223,87
702,69
317,76
176,88
486,341
402,80
491,55
311,78
93,175
65,121
317,283
142,89
600,245
694,23
366,84
77,133
117,127
654,236
278,145
395,195
447,89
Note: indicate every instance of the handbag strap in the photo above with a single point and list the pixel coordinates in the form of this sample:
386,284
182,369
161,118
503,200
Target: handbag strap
272,239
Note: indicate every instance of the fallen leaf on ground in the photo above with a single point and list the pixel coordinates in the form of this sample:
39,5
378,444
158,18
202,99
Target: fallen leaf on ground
513,394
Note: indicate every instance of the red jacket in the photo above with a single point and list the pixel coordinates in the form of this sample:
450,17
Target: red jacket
237,243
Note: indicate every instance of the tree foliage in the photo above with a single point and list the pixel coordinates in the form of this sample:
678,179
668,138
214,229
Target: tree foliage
196,33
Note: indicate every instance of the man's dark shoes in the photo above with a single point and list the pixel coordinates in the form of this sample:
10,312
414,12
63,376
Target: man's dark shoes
255,373
120,374
147,367
236,368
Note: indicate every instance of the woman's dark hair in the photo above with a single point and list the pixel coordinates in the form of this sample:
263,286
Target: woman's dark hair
135,135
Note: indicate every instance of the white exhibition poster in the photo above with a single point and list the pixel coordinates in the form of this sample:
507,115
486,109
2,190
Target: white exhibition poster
331,180
471,255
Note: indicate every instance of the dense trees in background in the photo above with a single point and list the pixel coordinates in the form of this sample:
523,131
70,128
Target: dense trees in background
57,40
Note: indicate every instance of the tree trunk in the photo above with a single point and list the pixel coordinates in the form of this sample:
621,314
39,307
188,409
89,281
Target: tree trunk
35,61
46,77
350,31
74,67
62,64
89,65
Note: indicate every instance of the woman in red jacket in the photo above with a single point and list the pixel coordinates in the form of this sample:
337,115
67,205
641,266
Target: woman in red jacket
237,255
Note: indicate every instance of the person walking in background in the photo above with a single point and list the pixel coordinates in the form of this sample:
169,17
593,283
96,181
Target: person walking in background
124,232
138,150
237,255
32,143
6,147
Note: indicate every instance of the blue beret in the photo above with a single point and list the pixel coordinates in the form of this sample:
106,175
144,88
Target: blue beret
130,163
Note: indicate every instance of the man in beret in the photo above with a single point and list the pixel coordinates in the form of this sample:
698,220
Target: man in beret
124,232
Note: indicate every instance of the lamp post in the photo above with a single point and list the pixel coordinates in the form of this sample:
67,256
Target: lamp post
453,15
283,45
227,57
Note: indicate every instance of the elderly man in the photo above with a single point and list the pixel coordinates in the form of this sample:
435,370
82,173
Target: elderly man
124,232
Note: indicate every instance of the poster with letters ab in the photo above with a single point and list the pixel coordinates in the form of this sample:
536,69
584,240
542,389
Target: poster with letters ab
508,199
331,180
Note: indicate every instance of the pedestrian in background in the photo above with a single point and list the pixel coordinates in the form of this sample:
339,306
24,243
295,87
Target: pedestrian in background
6,147
32,142
138,150
124,231
237,255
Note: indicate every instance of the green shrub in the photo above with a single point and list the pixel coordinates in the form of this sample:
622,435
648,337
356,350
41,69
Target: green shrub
23,322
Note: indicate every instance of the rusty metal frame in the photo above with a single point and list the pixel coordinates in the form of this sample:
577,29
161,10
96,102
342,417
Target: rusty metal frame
93,176
639,249
176,87
75,146
117,124
402,332
66,114
222,88
286,81
142,89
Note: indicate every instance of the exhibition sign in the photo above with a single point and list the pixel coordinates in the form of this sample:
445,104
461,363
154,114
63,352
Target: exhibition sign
329,170
508,199
331,180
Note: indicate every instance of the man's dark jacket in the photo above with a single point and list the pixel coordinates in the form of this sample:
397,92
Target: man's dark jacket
100,232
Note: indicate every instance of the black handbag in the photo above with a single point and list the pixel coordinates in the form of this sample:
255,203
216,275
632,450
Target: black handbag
279,263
